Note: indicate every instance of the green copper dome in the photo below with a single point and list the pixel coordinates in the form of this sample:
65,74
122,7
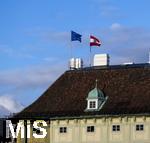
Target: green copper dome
96,94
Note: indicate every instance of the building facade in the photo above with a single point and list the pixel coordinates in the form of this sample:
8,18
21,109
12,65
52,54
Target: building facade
96,105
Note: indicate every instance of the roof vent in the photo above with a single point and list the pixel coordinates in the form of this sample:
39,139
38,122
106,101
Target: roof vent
128,63
101,60
75,63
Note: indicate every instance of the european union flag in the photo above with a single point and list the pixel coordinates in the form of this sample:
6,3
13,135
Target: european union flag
75,36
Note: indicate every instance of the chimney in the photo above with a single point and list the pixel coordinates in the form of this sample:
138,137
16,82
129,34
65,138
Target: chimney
75,63
101,60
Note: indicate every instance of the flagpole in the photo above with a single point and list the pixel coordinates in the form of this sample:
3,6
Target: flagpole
71,46
90,56
70,53
71,50
90,51
93,42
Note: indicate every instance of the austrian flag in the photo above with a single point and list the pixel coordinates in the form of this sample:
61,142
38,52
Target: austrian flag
94,41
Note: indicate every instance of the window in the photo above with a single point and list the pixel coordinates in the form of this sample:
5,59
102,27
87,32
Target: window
90,129
63,130
140,127
92,104
115,128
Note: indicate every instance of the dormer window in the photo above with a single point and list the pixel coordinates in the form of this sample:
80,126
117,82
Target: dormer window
95,99
92,104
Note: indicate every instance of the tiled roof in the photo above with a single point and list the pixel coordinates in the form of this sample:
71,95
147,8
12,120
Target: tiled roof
127,88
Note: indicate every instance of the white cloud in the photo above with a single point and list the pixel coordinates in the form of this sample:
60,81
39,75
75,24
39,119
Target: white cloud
107,9
48,35
127,43
10,104
115,26
3,112
50,59
14,52
34,76
21,83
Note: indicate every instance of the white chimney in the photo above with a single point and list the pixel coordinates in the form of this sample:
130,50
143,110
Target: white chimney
72,63
101,60
75,63
79,63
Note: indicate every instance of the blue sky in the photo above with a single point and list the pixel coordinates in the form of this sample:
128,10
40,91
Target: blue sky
35,40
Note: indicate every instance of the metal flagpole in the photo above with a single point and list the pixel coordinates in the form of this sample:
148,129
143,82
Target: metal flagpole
90,56
71,46
70,53
70,49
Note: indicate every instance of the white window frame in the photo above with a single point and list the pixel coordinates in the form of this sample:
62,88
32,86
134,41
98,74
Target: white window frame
93,100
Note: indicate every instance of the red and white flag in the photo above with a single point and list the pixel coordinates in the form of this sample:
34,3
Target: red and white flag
94,41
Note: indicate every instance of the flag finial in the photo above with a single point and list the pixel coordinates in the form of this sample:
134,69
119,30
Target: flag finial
96,81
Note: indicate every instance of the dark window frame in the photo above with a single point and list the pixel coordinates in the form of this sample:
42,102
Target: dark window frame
140,127
63,130
90,129
116,128
92,104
